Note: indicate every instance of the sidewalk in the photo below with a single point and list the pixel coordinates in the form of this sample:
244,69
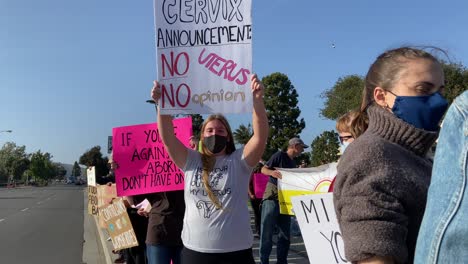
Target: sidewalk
96,248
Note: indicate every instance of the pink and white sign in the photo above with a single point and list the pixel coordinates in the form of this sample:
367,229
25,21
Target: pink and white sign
204,55
144,165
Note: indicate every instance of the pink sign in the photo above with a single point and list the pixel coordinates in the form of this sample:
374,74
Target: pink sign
260,182
144,164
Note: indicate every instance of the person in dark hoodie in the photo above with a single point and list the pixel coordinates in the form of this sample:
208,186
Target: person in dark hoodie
165,220
383,177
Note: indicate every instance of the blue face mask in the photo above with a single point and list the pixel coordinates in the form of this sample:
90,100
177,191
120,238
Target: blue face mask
343,147
423,112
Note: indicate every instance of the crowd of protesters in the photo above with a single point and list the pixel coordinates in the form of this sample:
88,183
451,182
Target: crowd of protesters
380,191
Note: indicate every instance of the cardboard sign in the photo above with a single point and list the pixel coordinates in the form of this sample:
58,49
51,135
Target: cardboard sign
144,165
105,196
204,56
303,181
93,201
99,196
260,181
91,174
118,225
319,228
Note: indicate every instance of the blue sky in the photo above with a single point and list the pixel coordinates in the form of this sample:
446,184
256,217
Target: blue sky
70,71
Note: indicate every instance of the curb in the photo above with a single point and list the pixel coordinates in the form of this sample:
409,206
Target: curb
103,241
95,250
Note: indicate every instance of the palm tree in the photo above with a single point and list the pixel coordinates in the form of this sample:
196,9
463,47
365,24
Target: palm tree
243,134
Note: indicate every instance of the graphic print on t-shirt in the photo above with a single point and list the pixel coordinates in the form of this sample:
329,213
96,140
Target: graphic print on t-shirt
217,185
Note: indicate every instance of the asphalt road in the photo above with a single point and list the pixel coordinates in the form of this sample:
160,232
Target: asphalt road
297,252
45,225
41,224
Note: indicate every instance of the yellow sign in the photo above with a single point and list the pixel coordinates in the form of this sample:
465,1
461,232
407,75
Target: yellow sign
303,181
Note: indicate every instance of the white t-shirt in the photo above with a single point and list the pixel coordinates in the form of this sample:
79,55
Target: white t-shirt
206,228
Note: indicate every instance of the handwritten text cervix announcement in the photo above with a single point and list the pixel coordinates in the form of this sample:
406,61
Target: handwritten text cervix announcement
204,55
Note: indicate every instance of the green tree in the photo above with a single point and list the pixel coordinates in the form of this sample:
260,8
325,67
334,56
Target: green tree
325,148
14,161
344,96
93,157
456,80
41,166
242,134
197,121
281,101
76,170
61,171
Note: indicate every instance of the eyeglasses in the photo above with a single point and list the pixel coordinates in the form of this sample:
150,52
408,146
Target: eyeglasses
345,138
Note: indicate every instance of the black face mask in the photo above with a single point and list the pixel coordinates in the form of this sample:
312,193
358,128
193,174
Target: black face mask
215,143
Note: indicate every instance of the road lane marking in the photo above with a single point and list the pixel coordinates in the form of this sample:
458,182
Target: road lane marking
25,209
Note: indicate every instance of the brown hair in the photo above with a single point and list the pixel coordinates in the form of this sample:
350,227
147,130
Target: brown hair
387,69
209,160
353,123
384,72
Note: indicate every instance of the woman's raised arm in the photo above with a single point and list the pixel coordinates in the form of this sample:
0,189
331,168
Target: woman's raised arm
255,147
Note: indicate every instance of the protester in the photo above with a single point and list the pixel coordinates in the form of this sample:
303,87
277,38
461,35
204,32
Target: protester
216,226
303,164
254,201
383,177
270,215
136,255
109,179
193,142
163,237
349,126
443,234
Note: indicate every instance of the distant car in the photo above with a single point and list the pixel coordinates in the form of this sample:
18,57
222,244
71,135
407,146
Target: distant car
79,182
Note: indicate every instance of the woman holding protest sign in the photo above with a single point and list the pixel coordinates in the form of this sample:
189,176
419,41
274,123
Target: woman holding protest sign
217,222
381,187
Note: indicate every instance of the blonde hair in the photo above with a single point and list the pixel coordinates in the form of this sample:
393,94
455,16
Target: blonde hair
209,160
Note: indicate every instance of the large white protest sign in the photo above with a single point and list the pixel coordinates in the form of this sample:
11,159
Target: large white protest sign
319,228
91,174
204,55
303,181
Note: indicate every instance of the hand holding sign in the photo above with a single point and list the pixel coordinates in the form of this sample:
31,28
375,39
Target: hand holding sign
156,92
